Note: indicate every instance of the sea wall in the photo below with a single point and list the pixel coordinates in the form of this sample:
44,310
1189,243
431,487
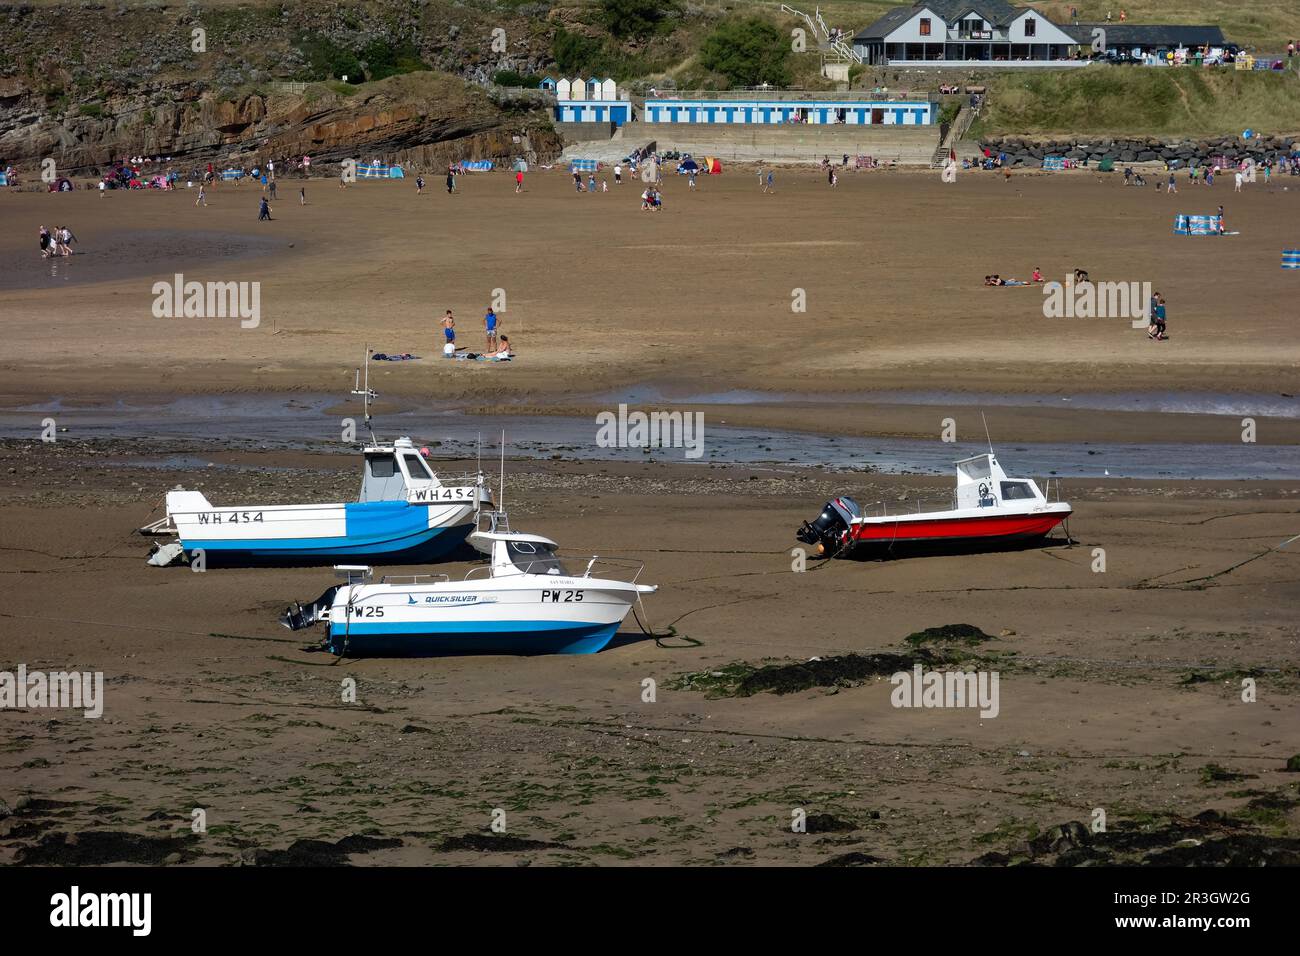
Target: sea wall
1022,151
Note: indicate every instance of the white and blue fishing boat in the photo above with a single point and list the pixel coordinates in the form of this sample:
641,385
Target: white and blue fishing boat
405,513
523,601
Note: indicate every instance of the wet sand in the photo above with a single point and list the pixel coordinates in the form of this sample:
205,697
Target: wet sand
1119,690
600,296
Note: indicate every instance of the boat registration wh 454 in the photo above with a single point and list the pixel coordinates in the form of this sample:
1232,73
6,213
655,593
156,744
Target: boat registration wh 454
417,495
229,517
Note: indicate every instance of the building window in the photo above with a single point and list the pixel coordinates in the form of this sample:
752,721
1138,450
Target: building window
925,26
1031,27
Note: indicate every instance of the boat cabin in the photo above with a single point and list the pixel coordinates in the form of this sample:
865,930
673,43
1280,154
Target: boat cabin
514,552
981,483
391,469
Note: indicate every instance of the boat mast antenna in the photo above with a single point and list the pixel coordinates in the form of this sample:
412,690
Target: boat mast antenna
367,394
501,504
986,432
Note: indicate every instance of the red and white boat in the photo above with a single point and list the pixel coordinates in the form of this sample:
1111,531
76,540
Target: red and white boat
988,510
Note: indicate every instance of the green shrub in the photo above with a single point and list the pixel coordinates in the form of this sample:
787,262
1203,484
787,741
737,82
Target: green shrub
514,78
384,60
636,19
326,60
748,52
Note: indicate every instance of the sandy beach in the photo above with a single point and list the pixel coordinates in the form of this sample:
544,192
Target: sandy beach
1121,689
599,294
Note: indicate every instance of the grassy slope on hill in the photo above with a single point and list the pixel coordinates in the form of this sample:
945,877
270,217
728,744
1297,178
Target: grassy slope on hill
1264,24
1132,100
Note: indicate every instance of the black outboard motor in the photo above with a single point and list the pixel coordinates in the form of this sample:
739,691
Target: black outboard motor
828,531
296,617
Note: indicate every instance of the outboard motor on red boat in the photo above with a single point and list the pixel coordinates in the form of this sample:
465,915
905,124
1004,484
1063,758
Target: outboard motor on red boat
296,617
828,531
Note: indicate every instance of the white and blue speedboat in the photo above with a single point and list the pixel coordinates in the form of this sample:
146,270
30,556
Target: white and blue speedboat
523,601
405,514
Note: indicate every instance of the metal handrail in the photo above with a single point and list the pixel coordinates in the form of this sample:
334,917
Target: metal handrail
912,506
595,561
461,478
624,563
414,578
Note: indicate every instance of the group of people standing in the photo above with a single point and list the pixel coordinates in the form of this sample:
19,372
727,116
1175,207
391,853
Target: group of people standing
56,243
498,344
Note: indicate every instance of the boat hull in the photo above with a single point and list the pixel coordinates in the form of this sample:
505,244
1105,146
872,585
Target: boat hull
506,637
980,531
432,544
385,532
563,616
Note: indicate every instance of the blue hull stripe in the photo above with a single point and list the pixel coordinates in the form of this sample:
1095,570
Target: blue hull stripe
372,527
468,637
427,545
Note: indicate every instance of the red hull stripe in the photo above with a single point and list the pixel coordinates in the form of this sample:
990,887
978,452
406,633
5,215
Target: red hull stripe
992,526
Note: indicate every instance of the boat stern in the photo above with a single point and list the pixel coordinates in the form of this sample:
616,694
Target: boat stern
829,531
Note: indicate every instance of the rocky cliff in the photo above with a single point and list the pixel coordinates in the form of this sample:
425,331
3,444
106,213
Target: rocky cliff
85,83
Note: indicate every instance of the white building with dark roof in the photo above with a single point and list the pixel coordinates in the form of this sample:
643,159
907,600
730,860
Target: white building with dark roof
961,32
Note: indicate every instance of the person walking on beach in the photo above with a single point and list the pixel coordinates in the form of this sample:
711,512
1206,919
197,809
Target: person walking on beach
451,181
47,243
618,174
769,185
1237,181
271,187
419,185
1222,227
264,211
449,328
1171,187
203,195
519,181
66,239
490,324
1158,319
302,196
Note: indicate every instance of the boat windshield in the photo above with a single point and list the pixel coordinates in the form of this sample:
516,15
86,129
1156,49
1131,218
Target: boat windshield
1016,490
533,557
416,467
